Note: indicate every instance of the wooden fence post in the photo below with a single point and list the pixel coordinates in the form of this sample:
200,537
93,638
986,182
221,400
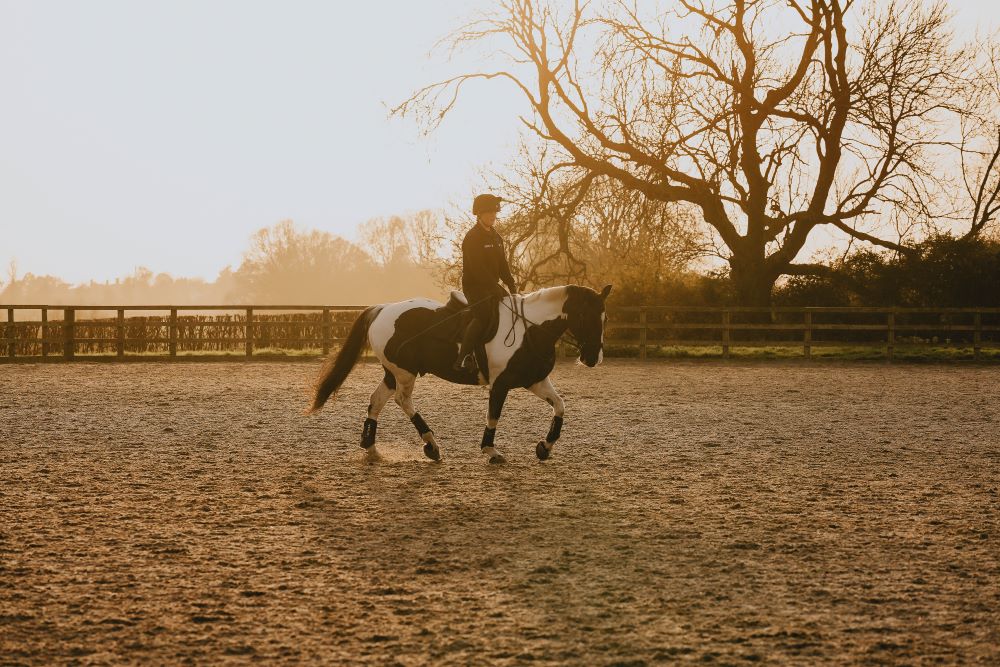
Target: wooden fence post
725,333
173,332
121,333
808,336
45,332
249,332
977,336
642,334
890,336
11,342
326,331
69,340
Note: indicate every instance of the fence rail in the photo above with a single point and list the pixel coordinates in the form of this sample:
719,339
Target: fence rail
170,331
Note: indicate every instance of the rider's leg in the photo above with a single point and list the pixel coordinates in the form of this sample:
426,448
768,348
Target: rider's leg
498,394
473,334
546,391
404,397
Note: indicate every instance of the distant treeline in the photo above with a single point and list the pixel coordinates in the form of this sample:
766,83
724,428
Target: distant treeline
284,264
399,258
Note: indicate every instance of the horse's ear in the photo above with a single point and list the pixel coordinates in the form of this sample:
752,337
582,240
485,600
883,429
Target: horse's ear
606,291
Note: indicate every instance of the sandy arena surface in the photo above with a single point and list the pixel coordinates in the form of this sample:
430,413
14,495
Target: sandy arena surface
693,511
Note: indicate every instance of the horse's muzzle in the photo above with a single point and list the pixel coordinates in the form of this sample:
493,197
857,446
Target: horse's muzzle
591,358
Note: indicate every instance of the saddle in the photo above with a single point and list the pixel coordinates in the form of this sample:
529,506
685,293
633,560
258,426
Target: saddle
455,316
456,302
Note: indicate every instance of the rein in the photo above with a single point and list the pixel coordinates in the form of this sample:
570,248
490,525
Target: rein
519,314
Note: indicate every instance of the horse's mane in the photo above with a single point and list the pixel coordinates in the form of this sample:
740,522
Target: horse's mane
543,292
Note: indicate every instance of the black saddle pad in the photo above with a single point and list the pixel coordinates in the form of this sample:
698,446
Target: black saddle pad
448,322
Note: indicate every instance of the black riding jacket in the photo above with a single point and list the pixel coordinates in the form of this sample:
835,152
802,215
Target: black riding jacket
484,262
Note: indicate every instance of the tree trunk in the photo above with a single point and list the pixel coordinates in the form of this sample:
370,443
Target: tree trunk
753,281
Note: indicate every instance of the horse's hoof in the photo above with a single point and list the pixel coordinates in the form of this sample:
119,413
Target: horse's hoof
497,459
432,452
542,451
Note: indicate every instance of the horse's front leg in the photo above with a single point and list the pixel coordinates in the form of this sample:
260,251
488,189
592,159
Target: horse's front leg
498,394
546,391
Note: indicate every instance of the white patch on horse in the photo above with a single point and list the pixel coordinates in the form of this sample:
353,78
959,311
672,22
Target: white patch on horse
604,323
539,307
384,325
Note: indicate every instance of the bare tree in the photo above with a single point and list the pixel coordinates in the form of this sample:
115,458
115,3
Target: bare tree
285,263
416,238
568,225
11,272
980,146
426,237
837,120
385,239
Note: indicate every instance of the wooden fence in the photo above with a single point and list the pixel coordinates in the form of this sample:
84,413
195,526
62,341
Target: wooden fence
168,332
229,330
884,329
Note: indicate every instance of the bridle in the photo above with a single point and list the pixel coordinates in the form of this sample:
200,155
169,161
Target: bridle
517,313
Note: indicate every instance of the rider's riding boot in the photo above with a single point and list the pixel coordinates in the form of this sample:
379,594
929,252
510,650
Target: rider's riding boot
466,359
463,363
469,363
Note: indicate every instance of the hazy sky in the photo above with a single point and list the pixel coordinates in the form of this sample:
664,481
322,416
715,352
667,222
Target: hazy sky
163,133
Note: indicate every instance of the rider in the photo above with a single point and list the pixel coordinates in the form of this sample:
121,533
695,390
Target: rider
484,262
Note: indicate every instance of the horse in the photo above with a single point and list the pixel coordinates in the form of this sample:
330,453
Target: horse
419,336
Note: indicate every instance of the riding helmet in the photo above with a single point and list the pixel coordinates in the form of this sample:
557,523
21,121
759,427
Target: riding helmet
485,204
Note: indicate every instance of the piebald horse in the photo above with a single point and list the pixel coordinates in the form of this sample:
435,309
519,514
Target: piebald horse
419,336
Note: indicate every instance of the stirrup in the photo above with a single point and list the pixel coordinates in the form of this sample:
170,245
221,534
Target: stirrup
468,363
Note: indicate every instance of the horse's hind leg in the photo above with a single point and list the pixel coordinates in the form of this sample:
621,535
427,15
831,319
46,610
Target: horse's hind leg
404,397
546,391
377,401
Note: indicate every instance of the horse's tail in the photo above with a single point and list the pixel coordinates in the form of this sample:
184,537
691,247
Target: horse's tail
338,368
